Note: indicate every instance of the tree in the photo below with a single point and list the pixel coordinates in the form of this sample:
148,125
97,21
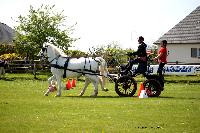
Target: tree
153,49
38,27
112,53
75,53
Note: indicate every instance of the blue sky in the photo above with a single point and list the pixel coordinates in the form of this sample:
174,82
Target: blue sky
99,22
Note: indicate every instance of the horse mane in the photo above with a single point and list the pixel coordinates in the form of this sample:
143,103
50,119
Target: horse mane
57,50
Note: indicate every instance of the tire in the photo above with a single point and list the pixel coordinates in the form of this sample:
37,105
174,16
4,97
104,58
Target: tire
152,87
125,86
157,78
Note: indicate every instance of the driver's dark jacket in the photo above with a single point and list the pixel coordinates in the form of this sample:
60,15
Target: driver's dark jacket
141,51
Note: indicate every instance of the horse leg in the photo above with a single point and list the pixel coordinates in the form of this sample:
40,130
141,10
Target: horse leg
49,81
59,83
87,82
95,84
102,81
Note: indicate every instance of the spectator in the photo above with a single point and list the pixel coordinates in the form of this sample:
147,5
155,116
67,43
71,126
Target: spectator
162,57
2,68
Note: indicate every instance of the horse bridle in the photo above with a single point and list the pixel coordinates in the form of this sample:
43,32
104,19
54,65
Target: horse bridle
45,49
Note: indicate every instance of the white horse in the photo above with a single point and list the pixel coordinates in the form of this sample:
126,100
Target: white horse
94,69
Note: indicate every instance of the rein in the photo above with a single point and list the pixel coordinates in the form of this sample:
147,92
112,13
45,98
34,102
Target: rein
54,58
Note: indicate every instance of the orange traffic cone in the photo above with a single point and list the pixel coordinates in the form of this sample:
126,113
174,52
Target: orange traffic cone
68,85
143,94
73,83
141,88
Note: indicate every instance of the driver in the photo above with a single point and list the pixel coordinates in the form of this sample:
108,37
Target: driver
141,58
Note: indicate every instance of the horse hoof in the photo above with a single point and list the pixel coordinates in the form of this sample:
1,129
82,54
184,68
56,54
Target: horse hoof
57,95
45,94
81,94
93,95
105,90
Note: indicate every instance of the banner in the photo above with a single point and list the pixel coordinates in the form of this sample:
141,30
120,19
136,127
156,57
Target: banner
174,69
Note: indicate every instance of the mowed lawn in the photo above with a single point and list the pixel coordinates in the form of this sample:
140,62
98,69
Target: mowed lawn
24,109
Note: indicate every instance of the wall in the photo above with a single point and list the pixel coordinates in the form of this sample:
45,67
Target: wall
182,53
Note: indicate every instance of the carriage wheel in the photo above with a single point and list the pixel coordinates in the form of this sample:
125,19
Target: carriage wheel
125,86
158,78
152,87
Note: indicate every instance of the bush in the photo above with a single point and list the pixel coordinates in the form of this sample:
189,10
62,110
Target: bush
6,48
9,57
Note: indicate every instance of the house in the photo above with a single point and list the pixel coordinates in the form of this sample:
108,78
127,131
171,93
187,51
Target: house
184,40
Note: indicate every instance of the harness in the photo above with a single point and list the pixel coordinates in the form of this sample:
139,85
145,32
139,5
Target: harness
65,67
81,71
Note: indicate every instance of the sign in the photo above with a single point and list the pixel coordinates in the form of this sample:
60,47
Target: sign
174,69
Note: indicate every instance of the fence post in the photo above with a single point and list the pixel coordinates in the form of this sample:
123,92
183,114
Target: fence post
34,70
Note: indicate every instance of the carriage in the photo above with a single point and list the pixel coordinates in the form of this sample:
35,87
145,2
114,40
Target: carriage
95,71
126,85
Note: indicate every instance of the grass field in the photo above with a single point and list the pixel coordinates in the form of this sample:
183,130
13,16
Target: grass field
24,109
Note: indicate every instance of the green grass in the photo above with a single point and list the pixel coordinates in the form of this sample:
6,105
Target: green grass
23,108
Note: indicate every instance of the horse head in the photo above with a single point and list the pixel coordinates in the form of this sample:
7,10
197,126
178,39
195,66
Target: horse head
50,51
44,51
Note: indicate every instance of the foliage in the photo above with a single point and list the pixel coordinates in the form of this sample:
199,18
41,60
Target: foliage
39,26
112,53
115,55
23,106
153,54
9,57
75,53
6,48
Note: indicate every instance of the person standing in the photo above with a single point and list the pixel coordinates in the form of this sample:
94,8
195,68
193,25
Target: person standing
3,65
162,57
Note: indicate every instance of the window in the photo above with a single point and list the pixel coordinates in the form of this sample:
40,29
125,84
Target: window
193,52
199,53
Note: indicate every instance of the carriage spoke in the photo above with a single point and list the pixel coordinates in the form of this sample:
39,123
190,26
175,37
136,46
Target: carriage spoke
153,88
125,86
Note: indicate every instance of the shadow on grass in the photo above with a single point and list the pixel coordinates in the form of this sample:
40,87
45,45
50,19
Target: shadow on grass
165,97
117,97
22,78
189,98
182,81
14,77
94,97
7,79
